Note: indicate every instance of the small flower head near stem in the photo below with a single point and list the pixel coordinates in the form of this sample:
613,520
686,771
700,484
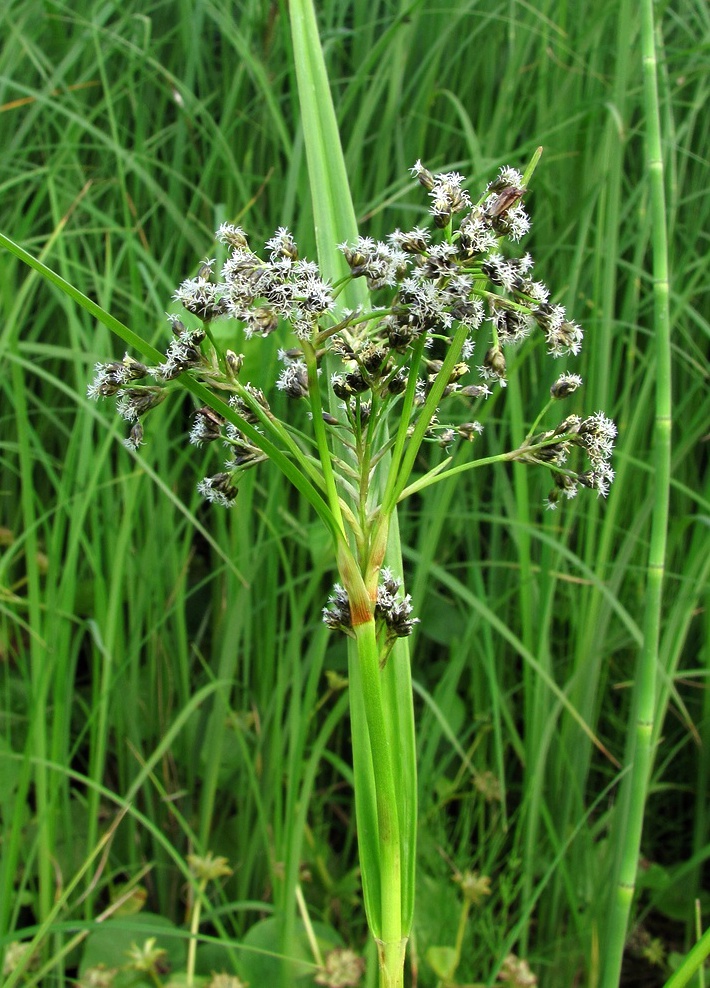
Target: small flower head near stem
343,968
208,867
392,613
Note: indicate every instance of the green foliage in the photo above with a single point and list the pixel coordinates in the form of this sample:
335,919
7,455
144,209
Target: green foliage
162,658
262,965
113,943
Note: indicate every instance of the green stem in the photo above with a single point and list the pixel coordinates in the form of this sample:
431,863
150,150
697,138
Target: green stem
394,489
692,963
275,428
321,438
639,756
194,927
463,920
390,941
405,415
297,477
440,472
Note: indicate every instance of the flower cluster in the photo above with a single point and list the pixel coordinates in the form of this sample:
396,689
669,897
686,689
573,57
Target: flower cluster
378,381
343,968
593,435
515,971
393,612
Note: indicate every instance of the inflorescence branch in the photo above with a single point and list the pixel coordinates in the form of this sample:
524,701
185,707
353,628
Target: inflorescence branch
401,372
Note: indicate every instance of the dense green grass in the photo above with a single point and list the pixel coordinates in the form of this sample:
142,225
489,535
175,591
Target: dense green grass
164,657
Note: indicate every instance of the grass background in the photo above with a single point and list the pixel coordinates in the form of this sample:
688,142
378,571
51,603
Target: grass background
158,653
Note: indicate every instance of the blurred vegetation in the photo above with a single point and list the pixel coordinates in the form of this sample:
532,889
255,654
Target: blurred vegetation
167,658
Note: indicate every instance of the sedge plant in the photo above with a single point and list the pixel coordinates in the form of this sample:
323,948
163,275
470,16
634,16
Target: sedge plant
379,384
390,348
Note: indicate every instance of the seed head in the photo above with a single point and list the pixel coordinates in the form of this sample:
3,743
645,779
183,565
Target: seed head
337,612
232,236
134,439
494,365
474,887
234,362
136,401
423,175
207,426
218,489
293,380
565,385
394,610
208,868
343,968
516,973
